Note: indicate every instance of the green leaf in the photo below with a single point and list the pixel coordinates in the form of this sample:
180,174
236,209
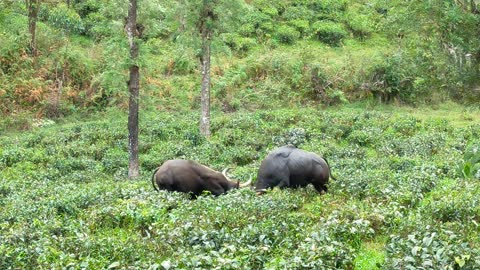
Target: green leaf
460,261
166,264
467,172
415,250
114,265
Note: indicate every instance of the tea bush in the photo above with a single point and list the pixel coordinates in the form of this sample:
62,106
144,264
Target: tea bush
287,34
429,247
471,166
65,200
453,203
329,32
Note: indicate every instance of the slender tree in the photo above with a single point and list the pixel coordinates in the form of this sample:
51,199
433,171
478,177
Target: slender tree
205,28
206,19
133,88
32,7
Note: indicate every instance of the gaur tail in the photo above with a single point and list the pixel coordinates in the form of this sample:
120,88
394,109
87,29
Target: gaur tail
153,179
329,170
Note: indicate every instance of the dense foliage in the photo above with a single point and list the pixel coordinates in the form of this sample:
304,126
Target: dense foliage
321,51
401,200
408,180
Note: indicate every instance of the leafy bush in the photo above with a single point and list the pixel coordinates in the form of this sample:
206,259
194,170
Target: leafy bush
287,34
298,17
360,20
394,78
238,43
63,17
65,198
331,33
470,167
453,202
318,251
256,24
302,26
97,26
429,247
295,137
365,136
297,12
181,62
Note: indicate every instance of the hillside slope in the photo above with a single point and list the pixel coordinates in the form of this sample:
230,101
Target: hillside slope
270,54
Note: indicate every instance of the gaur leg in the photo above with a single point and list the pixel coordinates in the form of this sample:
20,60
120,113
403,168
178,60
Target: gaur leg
320,178
280,176
217,192
320,188
284,182
216,189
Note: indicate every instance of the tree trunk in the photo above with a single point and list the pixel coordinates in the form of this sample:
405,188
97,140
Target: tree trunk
205,91
133,88
32,7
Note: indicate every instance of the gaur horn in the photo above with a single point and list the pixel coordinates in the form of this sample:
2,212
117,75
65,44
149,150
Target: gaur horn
224,172
246,184
261,191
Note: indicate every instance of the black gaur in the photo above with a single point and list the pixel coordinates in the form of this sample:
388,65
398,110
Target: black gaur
289,166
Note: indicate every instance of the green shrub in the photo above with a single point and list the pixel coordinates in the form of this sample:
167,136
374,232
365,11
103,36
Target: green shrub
298,17
11,156
453,202
360,25
431,247
319,251
62,17
328,6
302,26
299,12
331,33
84,8
267,8
360,19
365,136
256,24
114,160
406,126
238,43
66,199
181,64
418,145
294,136
470,167
394,78
97,26
287,34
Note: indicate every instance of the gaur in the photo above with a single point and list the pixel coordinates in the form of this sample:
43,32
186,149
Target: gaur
289,166
189,176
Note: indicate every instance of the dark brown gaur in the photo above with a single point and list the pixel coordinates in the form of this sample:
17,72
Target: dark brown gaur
189,176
